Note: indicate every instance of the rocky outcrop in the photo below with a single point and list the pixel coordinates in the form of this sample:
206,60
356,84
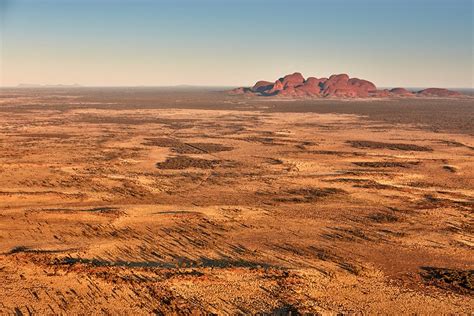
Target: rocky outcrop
438,92
239,91
311,87
262,86
343,86
293,80
336,86
275,89
401,92
381,93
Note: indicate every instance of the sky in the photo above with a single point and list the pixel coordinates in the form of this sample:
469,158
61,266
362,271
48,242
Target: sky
409,43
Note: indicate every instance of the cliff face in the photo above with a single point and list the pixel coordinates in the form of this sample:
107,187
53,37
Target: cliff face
338,86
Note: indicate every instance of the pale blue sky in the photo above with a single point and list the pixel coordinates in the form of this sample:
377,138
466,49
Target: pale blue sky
235,42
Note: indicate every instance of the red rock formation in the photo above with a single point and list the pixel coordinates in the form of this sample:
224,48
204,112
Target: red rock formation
292,80
262,86
312,81
340,86
285,86
380,93
311,87
401,92
335,83
277,87
362,85
438,92
289,92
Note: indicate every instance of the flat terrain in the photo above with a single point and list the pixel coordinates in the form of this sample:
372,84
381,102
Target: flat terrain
157,201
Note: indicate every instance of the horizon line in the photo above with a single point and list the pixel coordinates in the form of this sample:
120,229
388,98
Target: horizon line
78,86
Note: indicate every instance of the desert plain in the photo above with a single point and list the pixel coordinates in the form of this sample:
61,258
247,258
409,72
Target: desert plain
184,201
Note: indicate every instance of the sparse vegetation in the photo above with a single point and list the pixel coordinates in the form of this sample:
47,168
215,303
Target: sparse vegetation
115,206
392,146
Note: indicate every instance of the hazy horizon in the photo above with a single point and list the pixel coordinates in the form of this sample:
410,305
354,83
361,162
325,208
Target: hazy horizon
185,86
420,43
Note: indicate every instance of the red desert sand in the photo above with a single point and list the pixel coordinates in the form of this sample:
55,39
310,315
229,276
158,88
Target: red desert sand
141,201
